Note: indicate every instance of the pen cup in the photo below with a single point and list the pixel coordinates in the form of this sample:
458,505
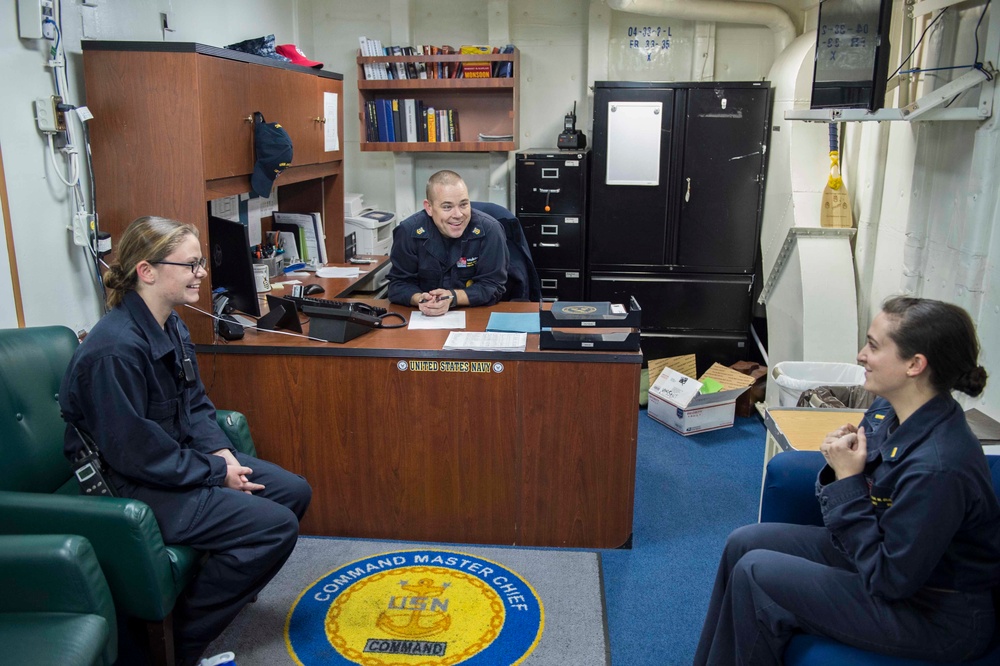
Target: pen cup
261,278
274,265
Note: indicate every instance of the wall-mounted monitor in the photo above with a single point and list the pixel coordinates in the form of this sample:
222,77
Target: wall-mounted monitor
852,54
232,265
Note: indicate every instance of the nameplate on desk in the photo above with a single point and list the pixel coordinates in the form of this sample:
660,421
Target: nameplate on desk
423,365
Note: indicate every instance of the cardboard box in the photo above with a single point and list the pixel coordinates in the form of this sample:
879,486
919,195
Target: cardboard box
675,401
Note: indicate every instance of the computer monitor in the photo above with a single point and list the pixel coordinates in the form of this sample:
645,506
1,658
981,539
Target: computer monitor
852,54
232,265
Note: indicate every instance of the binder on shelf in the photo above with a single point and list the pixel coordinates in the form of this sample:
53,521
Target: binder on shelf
381,120
591,314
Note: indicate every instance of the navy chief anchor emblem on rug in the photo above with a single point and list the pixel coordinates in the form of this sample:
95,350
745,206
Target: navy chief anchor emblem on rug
427,607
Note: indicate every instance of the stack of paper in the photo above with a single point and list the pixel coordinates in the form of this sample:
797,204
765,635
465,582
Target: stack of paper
496,137
508,342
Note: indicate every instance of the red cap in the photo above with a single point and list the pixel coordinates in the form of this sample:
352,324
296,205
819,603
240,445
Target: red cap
295,54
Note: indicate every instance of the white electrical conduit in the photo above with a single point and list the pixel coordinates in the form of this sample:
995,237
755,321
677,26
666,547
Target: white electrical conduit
721,11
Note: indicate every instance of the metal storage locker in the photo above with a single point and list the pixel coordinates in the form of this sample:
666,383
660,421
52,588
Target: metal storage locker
677,182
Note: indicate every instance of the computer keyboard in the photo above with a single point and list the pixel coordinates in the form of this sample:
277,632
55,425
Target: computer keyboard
325,304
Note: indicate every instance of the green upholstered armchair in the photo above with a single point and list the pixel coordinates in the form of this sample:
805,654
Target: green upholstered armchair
56,607
40,495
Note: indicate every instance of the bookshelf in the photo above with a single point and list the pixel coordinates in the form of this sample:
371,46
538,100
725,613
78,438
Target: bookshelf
484,105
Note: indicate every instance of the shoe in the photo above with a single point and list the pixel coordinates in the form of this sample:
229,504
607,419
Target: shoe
223,659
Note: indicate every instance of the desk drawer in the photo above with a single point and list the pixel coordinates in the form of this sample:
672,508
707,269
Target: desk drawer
561,285
681,302
556,180
556,241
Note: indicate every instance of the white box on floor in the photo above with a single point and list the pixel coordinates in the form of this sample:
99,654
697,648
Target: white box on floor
675,402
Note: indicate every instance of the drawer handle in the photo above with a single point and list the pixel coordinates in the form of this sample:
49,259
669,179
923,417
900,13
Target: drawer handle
550,229
548,245
550,284
320,120
547,193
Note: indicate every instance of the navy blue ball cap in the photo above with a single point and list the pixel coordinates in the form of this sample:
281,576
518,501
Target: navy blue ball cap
273,147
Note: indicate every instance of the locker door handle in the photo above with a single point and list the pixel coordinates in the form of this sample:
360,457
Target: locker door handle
548,245
687,194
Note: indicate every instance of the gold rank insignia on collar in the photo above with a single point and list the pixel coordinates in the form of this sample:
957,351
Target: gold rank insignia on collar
420,231
477,231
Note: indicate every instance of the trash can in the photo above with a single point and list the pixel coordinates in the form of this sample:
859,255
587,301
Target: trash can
794,377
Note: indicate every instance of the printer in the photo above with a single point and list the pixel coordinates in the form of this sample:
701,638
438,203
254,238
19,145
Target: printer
372,229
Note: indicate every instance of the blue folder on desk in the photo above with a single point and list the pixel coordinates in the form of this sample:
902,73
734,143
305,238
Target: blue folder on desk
513,322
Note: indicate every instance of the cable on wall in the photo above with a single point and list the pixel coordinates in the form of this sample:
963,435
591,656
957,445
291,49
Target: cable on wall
64,116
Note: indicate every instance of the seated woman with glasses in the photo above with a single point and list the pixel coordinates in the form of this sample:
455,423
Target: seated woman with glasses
133,386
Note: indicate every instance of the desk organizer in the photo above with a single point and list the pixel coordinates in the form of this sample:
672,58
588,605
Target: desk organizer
569,316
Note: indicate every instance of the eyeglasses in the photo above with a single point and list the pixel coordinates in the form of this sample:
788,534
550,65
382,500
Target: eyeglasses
194,265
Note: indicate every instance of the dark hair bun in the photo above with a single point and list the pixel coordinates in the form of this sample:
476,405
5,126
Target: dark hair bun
972,382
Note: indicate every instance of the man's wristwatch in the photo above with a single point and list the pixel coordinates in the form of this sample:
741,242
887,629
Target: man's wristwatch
454,299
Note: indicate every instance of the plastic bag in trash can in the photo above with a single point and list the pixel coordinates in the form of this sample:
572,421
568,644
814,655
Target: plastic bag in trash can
838,397
794,377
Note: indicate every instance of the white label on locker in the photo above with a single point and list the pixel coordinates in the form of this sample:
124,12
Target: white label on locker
572,220
550,229
570,163
550,173
572,274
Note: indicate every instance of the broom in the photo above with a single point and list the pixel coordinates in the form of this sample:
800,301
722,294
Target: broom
836,208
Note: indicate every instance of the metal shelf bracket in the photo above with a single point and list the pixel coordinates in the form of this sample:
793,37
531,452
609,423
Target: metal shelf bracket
786,252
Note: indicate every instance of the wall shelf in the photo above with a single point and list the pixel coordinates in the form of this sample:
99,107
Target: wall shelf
487,106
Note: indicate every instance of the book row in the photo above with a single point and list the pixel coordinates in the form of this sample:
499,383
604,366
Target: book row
409,120
433,70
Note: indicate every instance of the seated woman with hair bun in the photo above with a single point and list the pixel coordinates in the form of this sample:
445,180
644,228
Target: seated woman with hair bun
910,547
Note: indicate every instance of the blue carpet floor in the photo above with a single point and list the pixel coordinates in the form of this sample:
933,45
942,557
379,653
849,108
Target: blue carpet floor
691,492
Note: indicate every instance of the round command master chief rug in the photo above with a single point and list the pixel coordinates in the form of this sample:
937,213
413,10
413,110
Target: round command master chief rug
416,607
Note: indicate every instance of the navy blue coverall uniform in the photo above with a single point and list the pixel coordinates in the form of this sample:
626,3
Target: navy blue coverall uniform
903,566
156,430
423,259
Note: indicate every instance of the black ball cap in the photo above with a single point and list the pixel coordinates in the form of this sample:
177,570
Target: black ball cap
273,147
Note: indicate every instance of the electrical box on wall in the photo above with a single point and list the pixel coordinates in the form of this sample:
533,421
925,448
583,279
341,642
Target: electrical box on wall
49,116
30,16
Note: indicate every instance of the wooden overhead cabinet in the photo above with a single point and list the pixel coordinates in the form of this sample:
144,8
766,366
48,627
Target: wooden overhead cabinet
173,130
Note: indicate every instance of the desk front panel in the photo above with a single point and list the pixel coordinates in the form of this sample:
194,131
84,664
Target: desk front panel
533,451
578,456
396,454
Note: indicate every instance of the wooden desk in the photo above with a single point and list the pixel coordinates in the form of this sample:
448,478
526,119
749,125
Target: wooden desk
403,440
334,287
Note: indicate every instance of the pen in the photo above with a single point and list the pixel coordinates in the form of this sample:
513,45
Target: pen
436,299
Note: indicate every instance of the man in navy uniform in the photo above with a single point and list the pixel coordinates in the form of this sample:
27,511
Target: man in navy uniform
447,255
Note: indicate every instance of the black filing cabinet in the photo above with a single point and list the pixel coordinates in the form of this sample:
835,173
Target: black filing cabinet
551,203
677,183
